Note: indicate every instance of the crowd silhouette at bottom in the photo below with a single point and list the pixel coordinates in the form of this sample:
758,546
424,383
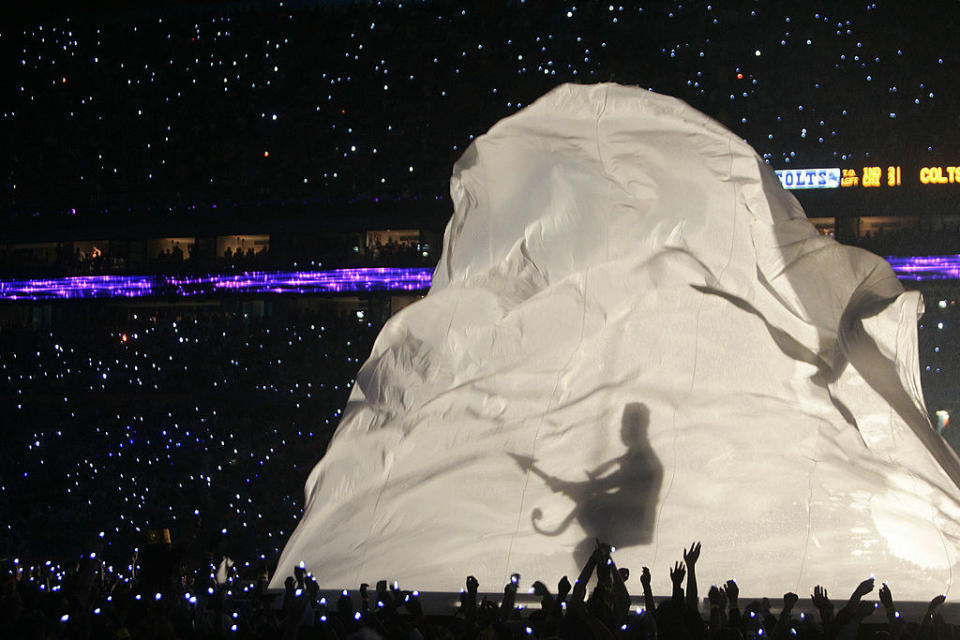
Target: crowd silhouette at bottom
163,600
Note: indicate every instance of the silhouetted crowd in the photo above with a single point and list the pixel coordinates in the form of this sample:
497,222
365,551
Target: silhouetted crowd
163,598
206,421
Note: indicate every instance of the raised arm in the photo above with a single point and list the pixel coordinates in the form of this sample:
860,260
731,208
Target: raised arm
547,603
470,601
648,602
509,597
690,559
563,590
676,577
718,602
847,621
580,586
598,631
926,625
862,589
621,597
732,591
783,622
894,618
824,606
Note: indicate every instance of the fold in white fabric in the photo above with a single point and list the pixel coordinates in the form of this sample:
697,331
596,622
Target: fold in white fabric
634,334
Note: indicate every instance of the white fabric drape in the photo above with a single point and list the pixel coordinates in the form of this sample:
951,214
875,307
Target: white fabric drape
634,334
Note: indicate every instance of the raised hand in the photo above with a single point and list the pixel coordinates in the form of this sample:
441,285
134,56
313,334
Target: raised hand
397,594
732,591
677,574
364,596
886,597
789,599
928,616
718,615
383,597
603,549
690,559
823,605
472,585
563,587
863,588
345,605
509,597
935,603
648,601
412,603
717,597
820,599
780,632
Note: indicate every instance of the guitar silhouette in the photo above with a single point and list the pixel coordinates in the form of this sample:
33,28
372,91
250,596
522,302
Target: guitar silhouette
617,501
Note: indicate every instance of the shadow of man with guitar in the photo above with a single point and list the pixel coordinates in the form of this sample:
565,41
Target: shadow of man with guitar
618,500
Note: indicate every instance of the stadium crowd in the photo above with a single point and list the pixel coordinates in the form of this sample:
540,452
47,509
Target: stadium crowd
148,445
256,108
170,600
204,422
201,418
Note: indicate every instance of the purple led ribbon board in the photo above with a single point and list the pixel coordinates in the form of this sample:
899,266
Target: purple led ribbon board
78,287
919,268
255,282
914,269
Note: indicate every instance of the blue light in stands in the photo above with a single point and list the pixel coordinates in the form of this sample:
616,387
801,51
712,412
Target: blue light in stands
914,268
255,282
917,268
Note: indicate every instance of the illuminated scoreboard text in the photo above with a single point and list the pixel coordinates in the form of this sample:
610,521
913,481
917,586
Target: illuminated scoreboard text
809,178
871,177
940,175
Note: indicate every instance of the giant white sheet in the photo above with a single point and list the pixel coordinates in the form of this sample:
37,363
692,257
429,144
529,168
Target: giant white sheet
635,334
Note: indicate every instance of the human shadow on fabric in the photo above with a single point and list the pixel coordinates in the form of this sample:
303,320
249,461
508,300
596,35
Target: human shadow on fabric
618,500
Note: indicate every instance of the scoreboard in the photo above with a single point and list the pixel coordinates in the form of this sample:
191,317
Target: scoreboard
868,177
809,178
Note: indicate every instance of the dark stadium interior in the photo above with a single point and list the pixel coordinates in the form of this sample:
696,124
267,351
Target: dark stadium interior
220,138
